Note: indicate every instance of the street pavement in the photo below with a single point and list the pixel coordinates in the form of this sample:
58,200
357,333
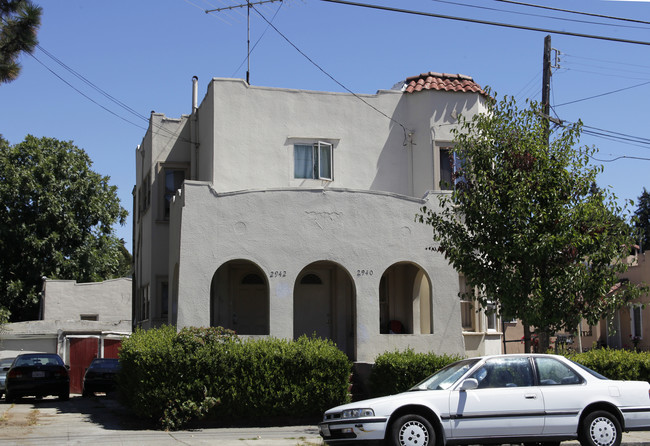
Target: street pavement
102,421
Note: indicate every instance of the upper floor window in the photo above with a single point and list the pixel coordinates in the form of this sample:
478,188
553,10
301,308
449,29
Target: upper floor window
450,164
313,160
174,178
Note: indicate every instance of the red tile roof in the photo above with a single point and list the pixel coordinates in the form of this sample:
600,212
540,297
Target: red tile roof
441,81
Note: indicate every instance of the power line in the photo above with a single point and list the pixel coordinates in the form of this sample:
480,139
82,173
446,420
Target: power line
603,94
102,92
575,12
486,22
589,22
329,75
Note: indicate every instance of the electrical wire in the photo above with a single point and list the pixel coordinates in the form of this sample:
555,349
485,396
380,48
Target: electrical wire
486,22
102,92
564,19
575,12
603,94
330,76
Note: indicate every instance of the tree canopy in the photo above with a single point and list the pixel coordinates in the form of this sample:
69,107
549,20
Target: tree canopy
526,225
56,220
19,22
642,215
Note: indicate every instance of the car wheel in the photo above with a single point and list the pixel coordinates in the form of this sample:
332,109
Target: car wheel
600,428
9,397
413,430
64,396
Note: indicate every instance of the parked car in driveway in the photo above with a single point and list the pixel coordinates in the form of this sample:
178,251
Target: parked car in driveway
5,363
100,376
528,399
39,375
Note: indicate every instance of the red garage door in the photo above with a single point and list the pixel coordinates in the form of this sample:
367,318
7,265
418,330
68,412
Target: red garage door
82,352
111,348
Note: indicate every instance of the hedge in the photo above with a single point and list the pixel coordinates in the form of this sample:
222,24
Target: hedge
174,378
398,371
616,364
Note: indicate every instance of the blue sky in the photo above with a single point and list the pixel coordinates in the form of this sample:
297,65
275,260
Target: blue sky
144,53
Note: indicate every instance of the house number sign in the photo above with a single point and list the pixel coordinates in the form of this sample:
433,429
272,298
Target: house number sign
364,272
276,274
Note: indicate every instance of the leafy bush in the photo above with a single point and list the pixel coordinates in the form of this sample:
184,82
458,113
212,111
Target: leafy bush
395,372
616,364
174,378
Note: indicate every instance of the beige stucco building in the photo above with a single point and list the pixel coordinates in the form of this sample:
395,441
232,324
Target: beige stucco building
279,212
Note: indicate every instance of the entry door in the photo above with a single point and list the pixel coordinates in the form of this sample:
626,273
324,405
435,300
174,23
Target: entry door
82,352
312,311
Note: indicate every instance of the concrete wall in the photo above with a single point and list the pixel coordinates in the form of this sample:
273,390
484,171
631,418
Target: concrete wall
388,141
287,230
68,300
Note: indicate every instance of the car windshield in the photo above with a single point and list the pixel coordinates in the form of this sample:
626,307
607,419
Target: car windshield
38,360
446,377
110,364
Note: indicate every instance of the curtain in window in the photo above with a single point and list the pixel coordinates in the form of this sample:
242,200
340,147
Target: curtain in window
303,156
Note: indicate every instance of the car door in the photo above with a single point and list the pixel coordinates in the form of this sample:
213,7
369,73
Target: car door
565,395
505,404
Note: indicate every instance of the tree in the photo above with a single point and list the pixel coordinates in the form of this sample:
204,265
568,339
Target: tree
527,227
642,215
19,21
56,220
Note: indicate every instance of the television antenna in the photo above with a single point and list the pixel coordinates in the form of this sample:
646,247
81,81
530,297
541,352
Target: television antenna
248,6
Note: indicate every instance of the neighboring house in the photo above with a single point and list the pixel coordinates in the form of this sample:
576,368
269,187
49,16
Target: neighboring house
79,321
278,212
628,328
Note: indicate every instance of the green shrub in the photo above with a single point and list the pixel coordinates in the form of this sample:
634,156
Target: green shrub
173,378
616,364
395,372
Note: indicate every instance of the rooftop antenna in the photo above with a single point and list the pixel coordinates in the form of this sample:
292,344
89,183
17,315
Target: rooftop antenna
248,5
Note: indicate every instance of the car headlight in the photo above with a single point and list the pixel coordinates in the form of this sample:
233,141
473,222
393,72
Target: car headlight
357,413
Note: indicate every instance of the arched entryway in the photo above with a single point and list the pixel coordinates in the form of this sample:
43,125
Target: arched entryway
239,298
405,300
324,305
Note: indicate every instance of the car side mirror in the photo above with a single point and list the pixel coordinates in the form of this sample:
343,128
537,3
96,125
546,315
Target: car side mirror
6,369
469,384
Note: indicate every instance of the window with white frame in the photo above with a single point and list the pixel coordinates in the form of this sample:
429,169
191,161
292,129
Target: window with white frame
313,161
491,316
636,328
467,313
450,164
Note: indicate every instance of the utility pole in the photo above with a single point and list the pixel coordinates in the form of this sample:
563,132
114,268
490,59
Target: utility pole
546,87
248,5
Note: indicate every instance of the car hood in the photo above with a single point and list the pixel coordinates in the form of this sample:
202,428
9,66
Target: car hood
385,405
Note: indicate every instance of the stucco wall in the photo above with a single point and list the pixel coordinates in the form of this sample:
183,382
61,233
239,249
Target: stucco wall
385,142
68,300
286,230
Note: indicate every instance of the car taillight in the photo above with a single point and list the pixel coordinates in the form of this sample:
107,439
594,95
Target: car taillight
14,374
61,373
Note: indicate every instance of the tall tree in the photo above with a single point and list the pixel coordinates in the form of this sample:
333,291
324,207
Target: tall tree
19,21
526,225
56,220
642,214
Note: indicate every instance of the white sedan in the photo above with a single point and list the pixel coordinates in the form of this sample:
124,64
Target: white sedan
531,399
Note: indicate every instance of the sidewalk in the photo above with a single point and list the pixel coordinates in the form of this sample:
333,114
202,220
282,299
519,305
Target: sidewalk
101,421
